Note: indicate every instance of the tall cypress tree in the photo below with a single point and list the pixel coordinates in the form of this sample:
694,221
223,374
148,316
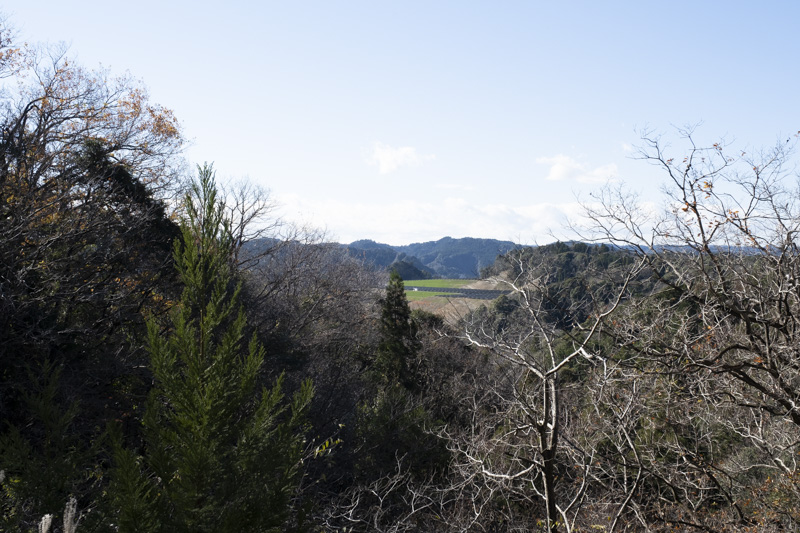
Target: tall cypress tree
219,454
394,424
399,344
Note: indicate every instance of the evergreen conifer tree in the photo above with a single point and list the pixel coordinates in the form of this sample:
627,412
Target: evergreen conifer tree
219,455
395,424
399,345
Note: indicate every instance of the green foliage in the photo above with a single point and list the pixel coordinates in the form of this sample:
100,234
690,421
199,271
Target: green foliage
133,493
396,428
48,463
408,270
399,345
574,278
219,454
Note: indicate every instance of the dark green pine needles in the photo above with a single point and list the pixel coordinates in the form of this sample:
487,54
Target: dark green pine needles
219,454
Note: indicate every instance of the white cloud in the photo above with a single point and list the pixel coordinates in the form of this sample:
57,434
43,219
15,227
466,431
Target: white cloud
390,158
413,220
563,168
454,187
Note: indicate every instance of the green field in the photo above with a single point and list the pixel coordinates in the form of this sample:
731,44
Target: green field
442,283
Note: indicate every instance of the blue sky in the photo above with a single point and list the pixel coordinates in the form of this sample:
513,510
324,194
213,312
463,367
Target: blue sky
409,121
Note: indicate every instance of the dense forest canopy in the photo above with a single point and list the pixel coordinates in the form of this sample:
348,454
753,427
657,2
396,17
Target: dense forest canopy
174,358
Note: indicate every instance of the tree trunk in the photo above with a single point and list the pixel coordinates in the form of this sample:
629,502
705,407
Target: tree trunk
548,432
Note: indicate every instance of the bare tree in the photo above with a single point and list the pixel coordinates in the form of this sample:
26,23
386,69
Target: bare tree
720,332
525,447
253,218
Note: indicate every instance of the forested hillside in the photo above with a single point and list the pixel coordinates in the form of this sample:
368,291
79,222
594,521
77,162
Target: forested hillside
445,258
174,359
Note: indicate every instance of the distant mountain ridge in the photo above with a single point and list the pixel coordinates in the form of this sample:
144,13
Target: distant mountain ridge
445,258
463,258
